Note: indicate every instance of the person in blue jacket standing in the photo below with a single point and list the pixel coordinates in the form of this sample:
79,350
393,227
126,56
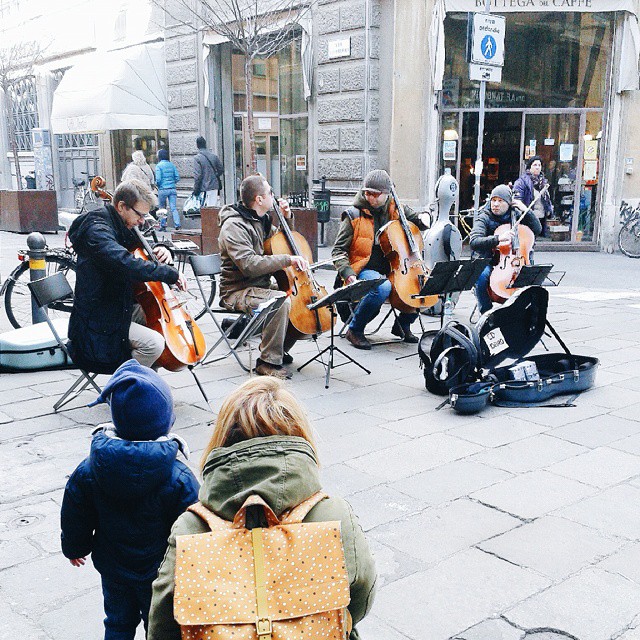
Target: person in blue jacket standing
120,503
167,178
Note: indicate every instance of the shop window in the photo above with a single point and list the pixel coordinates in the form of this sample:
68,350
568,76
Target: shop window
552,60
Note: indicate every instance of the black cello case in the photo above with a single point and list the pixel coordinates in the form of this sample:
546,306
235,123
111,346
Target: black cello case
506,335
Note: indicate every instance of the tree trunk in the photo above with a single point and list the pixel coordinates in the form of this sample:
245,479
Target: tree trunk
248,82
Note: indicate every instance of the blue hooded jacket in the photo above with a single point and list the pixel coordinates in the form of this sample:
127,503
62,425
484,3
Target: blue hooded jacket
121,502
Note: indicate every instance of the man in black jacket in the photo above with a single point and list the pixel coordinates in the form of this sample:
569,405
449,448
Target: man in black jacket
483,240
207,170
106,326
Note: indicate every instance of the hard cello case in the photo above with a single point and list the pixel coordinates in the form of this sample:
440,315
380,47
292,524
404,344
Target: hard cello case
506,335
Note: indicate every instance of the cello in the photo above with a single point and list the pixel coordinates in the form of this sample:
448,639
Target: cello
512,256
301,286
184,342
402,244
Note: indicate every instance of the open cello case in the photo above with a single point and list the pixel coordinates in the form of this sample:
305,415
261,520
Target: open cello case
505,374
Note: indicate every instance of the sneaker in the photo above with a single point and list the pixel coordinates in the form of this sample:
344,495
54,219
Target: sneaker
267,369
287,358
178,227
406,335
358,340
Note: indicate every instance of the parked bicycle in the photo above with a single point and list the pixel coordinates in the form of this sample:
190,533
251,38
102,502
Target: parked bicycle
17,297
629,234
84,198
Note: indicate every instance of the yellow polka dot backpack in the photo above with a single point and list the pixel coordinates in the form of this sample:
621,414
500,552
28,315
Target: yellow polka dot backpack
286,581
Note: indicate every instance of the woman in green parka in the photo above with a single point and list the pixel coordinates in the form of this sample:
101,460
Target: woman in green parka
262,444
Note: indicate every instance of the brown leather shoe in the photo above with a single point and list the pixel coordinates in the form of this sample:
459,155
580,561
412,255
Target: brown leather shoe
358,340
274,370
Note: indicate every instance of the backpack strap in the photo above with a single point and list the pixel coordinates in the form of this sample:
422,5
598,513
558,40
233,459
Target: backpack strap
214,521
299,513
352,212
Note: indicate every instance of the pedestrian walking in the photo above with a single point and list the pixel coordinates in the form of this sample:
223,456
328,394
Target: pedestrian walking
167,178
138,169
262,446
207,170
120,502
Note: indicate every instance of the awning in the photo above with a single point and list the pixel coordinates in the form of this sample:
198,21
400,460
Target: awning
124,89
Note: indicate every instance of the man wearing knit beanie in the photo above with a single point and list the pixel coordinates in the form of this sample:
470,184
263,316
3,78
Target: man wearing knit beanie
357,254
500,209
120,503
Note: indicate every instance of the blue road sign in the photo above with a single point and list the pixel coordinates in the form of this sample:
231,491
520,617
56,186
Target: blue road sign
488,47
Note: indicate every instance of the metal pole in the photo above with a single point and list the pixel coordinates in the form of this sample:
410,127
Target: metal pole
37,269
479,166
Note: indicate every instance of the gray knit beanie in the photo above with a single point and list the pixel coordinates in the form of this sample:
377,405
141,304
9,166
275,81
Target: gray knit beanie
503,192
377,180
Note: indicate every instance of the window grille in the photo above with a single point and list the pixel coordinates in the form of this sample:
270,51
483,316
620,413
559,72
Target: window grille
24,110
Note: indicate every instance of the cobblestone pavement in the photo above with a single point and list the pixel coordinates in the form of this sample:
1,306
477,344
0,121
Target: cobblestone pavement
515,522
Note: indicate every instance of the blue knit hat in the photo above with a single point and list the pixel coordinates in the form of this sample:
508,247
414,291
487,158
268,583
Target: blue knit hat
141,402
163,154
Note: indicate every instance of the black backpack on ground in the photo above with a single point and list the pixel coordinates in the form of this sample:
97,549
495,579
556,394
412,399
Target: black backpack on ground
449,357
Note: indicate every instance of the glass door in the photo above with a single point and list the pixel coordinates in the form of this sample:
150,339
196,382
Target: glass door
557,139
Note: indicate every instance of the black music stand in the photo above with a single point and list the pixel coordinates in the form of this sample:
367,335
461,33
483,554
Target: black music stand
451,277
533,274
349,293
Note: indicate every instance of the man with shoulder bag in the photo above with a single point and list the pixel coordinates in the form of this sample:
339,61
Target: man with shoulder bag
207,170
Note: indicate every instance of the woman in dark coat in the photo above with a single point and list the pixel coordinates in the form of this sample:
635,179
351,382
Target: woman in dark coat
529,185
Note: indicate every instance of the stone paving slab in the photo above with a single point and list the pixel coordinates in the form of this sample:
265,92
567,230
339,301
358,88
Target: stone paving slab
595,432
601,467
491,630
533,494
456,594
436,533
552,546
613,512
625,562
529,454
592,605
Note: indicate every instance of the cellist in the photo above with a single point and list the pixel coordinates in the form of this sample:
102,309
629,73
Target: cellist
483,241
107,327
357,254
245,281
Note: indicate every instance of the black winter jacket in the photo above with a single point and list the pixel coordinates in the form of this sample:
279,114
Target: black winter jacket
105,277
482,238
120,503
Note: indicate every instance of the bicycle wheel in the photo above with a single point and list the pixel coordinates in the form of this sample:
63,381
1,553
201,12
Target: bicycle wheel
90,202
17,297
195,305
629,238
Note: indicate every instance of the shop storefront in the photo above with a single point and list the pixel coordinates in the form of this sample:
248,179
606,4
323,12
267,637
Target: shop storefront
280,119
554,102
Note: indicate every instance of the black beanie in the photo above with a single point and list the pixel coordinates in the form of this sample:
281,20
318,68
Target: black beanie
531,160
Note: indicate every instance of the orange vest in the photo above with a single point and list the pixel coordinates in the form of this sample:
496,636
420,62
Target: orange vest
363,235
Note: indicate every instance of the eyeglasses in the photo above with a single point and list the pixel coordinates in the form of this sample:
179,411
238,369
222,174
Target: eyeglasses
139,213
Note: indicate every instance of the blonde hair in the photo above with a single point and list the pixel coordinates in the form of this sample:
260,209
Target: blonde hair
257,408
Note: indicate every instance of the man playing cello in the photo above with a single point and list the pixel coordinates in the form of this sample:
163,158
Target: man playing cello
245,281
483,240
106,326
357,254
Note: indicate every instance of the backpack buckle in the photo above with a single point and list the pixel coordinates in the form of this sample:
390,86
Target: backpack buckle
263,627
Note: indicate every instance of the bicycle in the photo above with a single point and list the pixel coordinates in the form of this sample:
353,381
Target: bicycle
17,297
629,234
84,197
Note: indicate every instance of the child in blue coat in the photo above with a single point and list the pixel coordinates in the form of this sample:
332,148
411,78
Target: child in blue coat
120,503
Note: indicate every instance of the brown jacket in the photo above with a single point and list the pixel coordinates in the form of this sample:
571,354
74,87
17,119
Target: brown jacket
241,242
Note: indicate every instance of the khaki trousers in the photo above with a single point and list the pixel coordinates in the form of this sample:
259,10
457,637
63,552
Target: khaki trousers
146,344
272,346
